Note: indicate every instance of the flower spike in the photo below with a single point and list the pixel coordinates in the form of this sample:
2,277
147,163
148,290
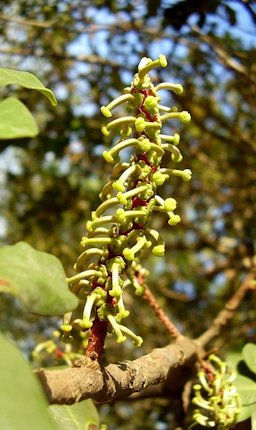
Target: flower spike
216,396
119,231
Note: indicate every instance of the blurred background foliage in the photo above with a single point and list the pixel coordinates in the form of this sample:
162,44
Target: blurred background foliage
86,52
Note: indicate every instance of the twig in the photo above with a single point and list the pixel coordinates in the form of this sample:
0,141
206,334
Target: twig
27,22
227,313
161,315
91,59
222,55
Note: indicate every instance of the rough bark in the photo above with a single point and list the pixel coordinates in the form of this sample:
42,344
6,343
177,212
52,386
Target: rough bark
171,365
120,380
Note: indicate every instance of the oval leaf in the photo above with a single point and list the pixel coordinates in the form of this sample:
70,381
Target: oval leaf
15,120
80,416
233,358
249,356
246,389
37,278
22,403
246,412
26,80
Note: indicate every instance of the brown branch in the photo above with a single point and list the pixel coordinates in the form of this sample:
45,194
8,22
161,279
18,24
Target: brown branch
222,55
170,365
27,22
89,26
91,59
227,313
117,381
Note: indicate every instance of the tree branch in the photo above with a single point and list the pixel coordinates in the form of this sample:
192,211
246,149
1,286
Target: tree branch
27,22
91,59
227,313
116,381
222,55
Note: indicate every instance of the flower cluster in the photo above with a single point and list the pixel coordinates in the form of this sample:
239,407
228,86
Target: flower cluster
54,351
216,396
119,229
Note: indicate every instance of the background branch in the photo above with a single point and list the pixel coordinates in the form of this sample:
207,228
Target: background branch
227,313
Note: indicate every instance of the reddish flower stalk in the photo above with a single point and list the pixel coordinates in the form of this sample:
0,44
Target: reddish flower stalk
98,333
161,315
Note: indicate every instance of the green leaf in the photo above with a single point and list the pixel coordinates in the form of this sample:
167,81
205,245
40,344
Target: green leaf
249,356
247,392
22,403
27,80
15,120
80,416
245,413
37,278
253,419
233,358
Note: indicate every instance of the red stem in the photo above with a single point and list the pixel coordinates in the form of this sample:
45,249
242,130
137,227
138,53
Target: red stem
98,333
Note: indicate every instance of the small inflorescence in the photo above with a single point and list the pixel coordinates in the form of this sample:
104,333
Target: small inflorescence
216,396
54,351
119,229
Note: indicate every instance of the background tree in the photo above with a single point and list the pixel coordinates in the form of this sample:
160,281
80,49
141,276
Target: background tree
86,52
